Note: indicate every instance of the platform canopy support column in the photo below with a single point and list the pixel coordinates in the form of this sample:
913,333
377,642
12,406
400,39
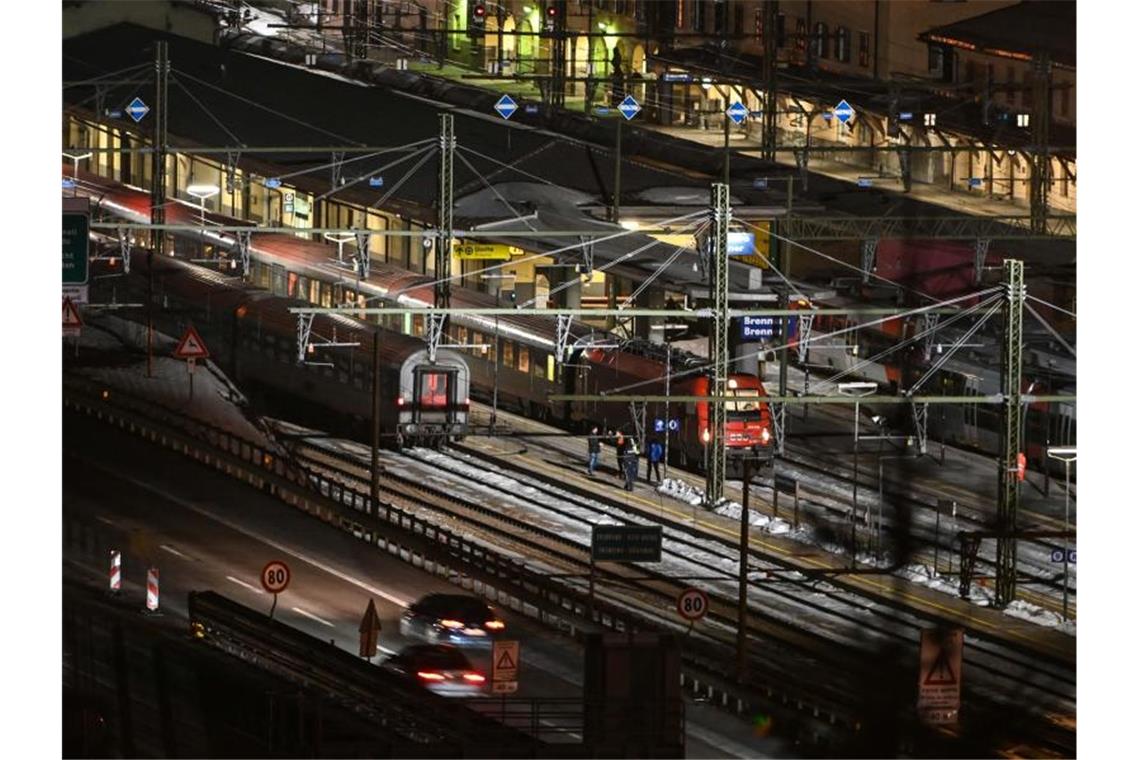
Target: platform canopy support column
1009,491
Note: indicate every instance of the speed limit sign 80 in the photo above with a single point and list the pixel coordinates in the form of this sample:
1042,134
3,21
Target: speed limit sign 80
275,577
692,604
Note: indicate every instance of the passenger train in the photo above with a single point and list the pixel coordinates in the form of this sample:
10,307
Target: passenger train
520,368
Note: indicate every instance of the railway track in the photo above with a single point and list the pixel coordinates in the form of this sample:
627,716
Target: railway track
847,626
831,498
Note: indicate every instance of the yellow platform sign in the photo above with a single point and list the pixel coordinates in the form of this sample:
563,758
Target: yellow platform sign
473,251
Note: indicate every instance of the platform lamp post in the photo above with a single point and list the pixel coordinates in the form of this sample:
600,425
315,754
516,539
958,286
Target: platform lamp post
75,159
1068,455
856,390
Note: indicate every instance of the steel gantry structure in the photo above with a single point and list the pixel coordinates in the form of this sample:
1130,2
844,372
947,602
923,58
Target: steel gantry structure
718,339
1009,491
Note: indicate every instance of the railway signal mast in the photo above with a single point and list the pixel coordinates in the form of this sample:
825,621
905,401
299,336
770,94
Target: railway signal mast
1009,490
718,340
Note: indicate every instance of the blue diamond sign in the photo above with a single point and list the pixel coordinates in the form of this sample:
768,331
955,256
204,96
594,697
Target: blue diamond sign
844,112
506,106
137,109
272,182
737,112
629,107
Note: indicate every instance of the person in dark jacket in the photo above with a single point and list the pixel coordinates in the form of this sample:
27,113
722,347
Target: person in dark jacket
654,454
630,463
594,447
620,444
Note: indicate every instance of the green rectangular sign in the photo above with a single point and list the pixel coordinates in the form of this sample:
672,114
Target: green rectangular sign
75,245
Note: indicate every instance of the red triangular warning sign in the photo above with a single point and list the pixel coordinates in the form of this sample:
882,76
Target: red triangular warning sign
941,674
506,662
71,316
191,346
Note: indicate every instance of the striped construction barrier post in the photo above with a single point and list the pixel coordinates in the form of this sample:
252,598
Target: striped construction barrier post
152,590
116,571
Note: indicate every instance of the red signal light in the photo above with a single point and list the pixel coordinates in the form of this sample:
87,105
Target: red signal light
480,10
551,11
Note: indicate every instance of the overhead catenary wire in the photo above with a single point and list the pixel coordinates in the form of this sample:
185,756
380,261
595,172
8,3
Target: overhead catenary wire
1056,335
427,148
209,113
909,341
953,349
661,268
1053,306
843,331
540,255
428,153
495,190
364,157
267,109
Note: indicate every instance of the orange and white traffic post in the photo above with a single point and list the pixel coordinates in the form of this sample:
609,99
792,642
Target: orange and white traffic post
152,590
116,571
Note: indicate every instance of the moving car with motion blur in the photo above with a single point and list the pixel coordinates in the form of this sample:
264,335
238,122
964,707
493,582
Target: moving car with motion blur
440,668
453,619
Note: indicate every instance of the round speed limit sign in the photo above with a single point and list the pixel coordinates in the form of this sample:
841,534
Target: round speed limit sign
275,577
692,604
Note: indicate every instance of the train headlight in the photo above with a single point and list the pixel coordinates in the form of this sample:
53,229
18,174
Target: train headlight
706,436
765,436
732,383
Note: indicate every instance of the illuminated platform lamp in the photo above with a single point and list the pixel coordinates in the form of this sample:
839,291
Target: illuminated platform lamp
202,191
340,239
75,159
1068,455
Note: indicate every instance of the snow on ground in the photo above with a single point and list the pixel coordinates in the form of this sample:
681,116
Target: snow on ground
921,574
216,400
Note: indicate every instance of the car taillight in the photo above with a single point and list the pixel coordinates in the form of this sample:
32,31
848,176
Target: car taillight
451,624
427,675
494,625
473,677
765,436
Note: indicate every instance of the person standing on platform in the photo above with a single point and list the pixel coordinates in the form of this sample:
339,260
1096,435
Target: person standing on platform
654,453
619,451
594,448
631,463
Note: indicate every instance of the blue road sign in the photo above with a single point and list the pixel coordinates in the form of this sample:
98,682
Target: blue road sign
629,107
115,113
137,109
601,110
376,182
1058,555
674,425
272,182
68,184
844,112
905,115
828,115
759,184
506,106
658,425
737,112
757,328
676,76
864,182
530,108
975,181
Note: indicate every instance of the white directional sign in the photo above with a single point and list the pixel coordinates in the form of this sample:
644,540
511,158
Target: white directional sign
505,667
940,676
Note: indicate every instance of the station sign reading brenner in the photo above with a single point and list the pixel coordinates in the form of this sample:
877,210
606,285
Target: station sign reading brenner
626,543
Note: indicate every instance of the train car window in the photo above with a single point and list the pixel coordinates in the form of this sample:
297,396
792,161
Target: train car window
278,285
461,335
291,285
326,294
538,366
524,359
492,348
550,367
433,389
314,291
508,353
417,324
